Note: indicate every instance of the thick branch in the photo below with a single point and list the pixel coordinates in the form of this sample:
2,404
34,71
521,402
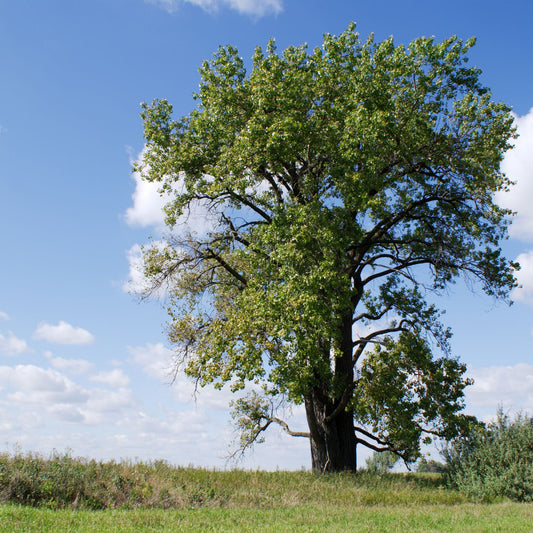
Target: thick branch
381,446
286,428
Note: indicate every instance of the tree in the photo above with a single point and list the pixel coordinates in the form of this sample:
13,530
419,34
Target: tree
380,463
430,467
347,188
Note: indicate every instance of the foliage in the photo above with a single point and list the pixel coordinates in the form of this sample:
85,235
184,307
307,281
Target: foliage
496,461
344,188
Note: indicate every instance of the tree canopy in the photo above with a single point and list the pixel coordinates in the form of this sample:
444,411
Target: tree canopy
346,188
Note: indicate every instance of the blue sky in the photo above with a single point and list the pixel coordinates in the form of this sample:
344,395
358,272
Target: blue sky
82,362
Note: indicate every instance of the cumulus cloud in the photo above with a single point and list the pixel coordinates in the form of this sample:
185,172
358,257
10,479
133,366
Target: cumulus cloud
4,316
155,360
114,378
32,390
509,386
256,8
39,386
148,204
147,211
109,406
518,166
12,345
63,333
74,366
42,409
524,292
158,362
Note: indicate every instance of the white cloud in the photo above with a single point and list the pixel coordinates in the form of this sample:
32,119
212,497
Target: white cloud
114,378
12,345
524,276
109,407
256,8
518,166
509,386
34,391
39,386
137,282
63,333
74,366
158,362
155,360
148,204
4,316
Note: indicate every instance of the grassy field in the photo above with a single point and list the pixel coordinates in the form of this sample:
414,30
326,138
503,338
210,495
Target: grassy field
62,494
491,518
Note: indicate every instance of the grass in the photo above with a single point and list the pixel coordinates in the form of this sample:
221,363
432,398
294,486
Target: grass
61,482
61,493
398,518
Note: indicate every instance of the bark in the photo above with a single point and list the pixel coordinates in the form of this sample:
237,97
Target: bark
333,443
332,435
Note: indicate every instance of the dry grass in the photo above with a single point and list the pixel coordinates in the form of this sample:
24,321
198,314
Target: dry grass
61,481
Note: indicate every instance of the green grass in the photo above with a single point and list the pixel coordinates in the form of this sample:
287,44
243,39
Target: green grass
401,518
64,494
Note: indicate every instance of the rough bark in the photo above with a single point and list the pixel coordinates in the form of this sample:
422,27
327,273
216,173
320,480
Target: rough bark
332,436
333,443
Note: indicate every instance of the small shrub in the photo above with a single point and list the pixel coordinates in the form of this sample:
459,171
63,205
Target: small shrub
494,462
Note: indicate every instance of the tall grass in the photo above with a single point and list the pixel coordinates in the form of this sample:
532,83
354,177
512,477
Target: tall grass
61,481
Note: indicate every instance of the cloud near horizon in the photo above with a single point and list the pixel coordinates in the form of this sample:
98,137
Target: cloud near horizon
63,333
510,387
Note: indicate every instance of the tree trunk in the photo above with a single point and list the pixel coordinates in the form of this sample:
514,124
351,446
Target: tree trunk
333,441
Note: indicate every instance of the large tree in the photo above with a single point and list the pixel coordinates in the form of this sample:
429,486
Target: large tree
346,188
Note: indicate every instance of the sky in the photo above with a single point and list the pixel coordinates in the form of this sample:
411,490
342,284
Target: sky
83,363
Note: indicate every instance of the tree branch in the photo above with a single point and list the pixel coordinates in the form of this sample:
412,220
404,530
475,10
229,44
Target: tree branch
370,336
226,266
286,428
250,204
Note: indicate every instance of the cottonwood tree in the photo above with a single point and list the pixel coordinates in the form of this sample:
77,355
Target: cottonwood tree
349,186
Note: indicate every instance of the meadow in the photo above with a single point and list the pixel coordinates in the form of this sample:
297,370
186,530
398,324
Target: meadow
67,494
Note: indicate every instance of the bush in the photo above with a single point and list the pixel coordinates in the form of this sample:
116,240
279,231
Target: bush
494,461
